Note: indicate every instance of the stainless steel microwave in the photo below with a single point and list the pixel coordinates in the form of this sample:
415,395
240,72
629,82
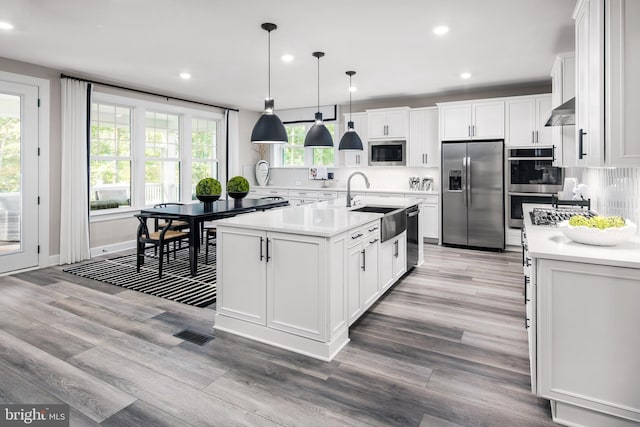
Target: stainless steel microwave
388,153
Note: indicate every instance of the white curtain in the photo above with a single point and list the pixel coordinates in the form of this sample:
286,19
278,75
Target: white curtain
234,144
74,199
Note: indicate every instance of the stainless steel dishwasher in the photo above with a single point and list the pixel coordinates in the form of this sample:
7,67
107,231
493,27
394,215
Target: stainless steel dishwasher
412,236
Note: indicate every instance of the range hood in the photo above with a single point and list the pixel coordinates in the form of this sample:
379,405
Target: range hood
565,114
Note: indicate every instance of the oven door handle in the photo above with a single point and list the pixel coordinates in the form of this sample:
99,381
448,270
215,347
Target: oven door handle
530,158
531,194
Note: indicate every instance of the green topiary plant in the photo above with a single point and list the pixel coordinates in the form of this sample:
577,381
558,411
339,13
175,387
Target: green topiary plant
238,184
208,187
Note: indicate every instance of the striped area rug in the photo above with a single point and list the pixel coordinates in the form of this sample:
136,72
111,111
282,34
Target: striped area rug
176,283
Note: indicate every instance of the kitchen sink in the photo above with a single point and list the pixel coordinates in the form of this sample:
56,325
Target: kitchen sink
375,209
392,223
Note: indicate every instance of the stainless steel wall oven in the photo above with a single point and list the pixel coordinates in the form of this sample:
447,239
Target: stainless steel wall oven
532,179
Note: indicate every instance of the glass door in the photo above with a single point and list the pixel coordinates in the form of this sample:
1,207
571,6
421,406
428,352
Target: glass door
18,176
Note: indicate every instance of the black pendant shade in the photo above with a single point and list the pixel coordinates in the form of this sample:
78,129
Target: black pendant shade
269,128
318,135
350,140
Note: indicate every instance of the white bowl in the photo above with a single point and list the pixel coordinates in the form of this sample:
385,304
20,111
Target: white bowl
594,236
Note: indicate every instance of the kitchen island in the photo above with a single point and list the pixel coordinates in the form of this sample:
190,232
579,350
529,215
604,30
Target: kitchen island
297,277
582,317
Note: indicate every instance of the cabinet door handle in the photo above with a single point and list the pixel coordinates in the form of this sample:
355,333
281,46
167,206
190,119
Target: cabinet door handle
526,323
397,249
469,130
525,290
373,229
533,137
261,254
473,130
268,257
537,137
364,262
581,134
426,158
373,241
357,236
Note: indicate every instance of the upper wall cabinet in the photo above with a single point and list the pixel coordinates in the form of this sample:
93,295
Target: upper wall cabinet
607,86
563,88
525,120
388,123
423,137
356,158
477,120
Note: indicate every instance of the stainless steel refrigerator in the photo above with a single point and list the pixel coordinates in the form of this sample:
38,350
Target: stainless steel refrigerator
473,193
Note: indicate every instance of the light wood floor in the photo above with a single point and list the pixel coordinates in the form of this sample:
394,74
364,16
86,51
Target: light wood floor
445,347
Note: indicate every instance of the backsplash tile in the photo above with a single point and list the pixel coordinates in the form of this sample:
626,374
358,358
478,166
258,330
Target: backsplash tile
614,191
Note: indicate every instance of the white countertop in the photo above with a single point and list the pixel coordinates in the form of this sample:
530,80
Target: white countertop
551,243
324,219
344,189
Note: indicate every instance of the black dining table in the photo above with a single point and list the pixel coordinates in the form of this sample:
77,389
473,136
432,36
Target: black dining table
196,213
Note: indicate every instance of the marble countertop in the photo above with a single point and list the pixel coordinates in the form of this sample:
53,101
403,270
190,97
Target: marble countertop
551,243
323,219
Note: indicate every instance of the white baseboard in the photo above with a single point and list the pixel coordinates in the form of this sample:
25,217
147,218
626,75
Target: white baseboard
53,260
116,247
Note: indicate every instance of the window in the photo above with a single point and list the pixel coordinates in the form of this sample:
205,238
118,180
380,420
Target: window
143,153
110,156
203,151
162,158
293,154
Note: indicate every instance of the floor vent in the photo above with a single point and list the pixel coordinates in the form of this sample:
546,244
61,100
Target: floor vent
193,337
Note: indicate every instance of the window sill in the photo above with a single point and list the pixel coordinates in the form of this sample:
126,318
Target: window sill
112,214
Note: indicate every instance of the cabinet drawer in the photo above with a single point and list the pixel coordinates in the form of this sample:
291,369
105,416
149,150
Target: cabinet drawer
428,199
280,193
371,228
327,195
309,194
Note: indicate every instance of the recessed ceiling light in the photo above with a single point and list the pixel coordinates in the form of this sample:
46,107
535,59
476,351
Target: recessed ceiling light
287,58
353,89
185,76
5,26
465,75
441,30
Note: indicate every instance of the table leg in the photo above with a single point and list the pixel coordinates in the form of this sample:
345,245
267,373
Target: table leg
194,242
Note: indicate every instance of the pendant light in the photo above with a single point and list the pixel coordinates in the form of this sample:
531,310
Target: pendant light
350,140
318,135
269,129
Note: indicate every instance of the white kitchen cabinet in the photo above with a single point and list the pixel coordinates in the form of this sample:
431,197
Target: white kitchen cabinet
357,158
520,121
471,120
388,123
607,42
362,266
244,274
269,280
525,121
392,261
423,137
588,345
563,88
430,215
302,197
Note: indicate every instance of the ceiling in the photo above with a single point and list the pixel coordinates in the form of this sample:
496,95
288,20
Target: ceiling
390,44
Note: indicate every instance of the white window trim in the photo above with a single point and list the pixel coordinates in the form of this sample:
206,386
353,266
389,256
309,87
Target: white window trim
139,107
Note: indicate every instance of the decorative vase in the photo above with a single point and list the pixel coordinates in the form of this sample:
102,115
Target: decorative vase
262,172
241,195
208,198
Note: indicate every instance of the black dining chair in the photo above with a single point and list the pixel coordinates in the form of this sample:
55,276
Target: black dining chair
156,239
175,224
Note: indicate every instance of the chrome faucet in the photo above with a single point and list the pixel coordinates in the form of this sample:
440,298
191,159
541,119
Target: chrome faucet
366,181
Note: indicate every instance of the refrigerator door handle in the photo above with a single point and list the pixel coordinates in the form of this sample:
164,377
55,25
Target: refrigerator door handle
469,178
464,187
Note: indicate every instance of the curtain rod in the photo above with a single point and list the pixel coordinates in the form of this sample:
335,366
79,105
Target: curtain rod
65,76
